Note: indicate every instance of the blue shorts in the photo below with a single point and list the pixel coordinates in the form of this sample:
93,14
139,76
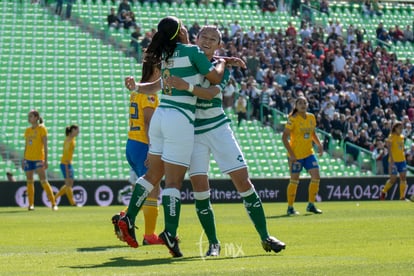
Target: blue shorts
30,165
136,154
399,167
67,170
308,163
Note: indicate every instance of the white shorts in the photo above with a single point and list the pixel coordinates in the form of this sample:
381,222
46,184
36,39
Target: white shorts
224,147
171,136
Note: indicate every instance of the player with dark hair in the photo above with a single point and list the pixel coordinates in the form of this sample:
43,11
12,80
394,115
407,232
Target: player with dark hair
396,159
141,109
214,135
35,158
171,130
66,163
298,138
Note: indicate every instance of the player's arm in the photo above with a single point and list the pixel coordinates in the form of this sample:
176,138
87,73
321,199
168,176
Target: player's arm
145,88
201,92
216,75
233,61
317,141
44,139
24,154
388,143
285,140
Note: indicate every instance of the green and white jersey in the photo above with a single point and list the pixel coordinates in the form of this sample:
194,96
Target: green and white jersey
210,113
191,64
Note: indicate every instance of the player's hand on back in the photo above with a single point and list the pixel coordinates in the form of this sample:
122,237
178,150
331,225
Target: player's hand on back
130,83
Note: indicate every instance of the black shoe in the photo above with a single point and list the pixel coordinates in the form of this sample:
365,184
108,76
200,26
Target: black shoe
312,208
117,231
271,243
128,231
171,243
213,250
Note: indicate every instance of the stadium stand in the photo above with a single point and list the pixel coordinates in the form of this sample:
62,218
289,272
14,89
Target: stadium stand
73,71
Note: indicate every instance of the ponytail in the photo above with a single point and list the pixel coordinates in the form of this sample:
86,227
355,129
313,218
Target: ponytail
69,129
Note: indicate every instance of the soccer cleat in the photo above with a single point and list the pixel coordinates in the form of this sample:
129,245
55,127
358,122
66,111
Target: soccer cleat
118,232
291,211
128,231
171,243
213,250
383,195
31,208
55,208
152,239
312,208
271,243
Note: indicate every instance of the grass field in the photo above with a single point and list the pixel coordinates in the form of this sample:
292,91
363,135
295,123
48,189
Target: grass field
365,238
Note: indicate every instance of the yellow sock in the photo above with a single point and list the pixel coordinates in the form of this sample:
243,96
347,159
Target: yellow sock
30,191
69,194
387,186
150,209
403,187
61,192
48,189
313,190
291,191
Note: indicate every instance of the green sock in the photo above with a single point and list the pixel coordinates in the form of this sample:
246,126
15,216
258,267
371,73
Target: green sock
137,200
254,209
172,207
206,216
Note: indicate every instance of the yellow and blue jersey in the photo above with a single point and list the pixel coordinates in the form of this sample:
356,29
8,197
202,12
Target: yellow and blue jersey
138,102
34,143
397,147
301,132
68,149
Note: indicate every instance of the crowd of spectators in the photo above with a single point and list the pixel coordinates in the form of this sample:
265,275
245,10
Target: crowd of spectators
356,88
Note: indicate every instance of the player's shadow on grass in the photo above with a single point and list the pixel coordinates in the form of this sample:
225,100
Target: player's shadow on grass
123,262
99,248
287,216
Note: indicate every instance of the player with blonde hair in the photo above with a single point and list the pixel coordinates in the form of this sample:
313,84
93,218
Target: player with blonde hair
397,161
35,158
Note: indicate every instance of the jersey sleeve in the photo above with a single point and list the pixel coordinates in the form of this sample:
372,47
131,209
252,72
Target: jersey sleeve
200,61
290,123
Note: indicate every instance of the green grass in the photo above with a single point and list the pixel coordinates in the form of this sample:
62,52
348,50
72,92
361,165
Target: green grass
365,238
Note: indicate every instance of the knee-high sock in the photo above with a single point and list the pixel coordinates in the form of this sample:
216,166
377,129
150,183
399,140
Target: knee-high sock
387,186
291,191
403,187
150,210
313,190
141,191
48,189
69,194
254,209
30,192
61,192
171,201
205,215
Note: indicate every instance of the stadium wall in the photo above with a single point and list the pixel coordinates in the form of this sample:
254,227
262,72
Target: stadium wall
105,192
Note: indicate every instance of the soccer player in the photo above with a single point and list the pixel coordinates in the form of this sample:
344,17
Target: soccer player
141,109
171,130
66,163
298,138
35,158
396,159
214,135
